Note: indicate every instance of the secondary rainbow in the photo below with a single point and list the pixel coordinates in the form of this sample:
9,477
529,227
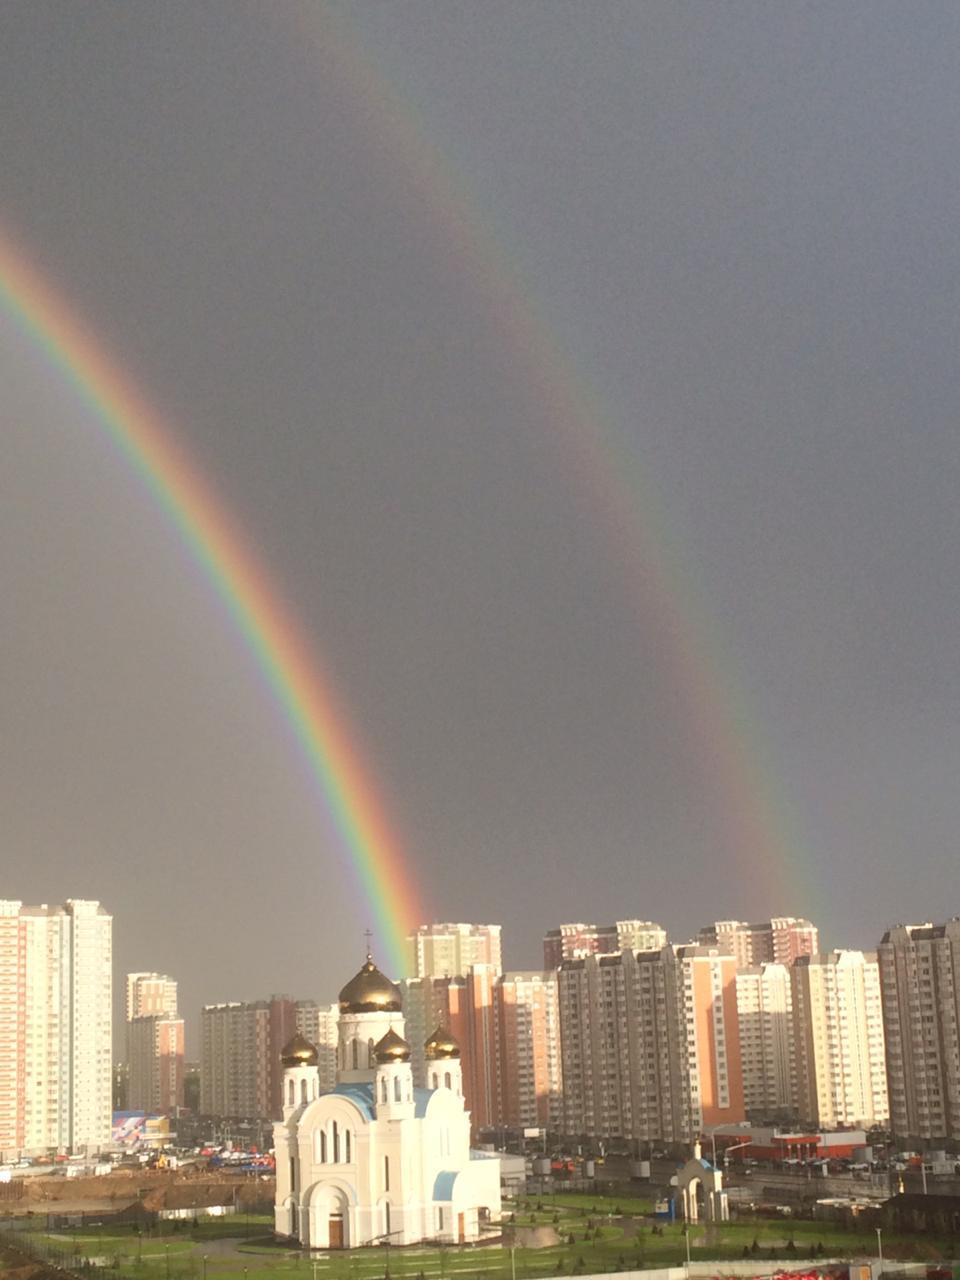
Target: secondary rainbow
755,823
293,673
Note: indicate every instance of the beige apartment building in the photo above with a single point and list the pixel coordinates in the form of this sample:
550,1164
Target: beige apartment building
920,981
780,940
155,1064
235,1060
838,1021
154,1044
55,1027
650,1045
452,950
528,1050
767,1049
150,995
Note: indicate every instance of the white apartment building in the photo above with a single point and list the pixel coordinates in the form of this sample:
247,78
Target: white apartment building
838,1021
765,1013
318,1023
56,1027
452,950
920,981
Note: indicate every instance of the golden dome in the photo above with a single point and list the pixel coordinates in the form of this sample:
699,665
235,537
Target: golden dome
370,992
442,1044
392,1048
298,1052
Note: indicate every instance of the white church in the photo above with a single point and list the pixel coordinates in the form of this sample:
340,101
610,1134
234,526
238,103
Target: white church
377,1160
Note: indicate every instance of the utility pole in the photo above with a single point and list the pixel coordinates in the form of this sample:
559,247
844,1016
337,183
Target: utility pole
879,1253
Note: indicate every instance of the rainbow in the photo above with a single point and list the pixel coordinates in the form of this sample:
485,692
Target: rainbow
297,682
755,825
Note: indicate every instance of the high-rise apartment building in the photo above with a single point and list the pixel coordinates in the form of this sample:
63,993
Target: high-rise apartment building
640,935
920,981
528,1051
318,1024
235,1060
154,1044
765,1014
451,950
650,1044
55,1027
779,940
838,1021
155,1071
240,1044
577,941
150,995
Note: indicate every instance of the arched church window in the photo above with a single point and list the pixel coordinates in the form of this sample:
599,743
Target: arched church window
346,1146
355,1054
446,1079
336,1141
383,1090
436,1081
323,1146
290,1094
303,1090
371,1056
396,1088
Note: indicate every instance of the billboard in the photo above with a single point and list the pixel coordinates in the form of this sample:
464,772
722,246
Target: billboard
135,1128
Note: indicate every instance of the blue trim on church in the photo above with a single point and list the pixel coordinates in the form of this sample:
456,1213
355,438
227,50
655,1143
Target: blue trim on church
360,1093
443,1186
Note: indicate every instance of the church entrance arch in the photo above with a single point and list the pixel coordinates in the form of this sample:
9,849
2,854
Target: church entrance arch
327,1214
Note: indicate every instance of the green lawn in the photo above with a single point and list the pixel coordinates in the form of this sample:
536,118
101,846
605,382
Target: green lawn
604,1238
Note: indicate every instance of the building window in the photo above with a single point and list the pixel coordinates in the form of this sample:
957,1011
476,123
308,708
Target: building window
355,1055
323,1146
397,1097
290,1093
303,1090
346,1146
336,1141
386,1173
383,1090
446,1079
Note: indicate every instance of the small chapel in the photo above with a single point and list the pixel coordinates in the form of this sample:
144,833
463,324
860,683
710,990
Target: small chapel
377,1160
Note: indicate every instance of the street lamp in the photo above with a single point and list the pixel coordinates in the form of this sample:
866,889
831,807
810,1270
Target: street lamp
203,1264
879,1252
166,1254
686,1241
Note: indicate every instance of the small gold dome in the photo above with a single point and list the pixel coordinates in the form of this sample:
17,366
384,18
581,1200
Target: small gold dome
370,991
442,1044
298,1052
392,1048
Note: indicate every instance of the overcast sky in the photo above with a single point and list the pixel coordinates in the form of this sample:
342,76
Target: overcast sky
332,245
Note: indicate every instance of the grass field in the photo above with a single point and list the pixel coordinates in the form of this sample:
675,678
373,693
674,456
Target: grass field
597,1234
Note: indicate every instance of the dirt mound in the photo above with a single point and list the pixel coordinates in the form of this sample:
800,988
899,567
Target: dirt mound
15,1265
531,1237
